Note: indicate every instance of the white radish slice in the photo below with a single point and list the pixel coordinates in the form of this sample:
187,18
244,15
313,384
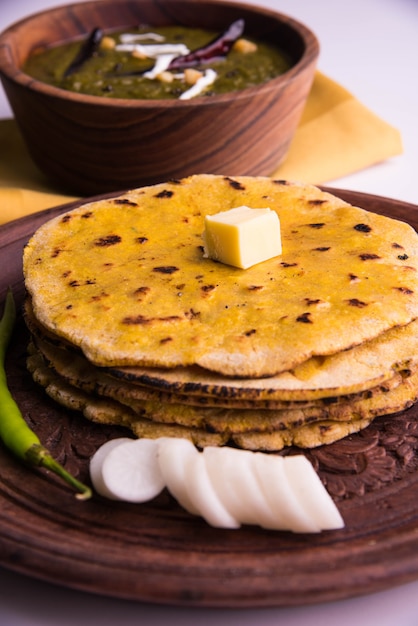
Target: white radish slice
172,457
233,477
311,493
279,494
131,471
96,463
203,495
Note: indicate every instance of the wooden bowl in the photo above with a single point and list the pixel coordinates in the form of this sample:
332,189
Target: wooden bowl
91,144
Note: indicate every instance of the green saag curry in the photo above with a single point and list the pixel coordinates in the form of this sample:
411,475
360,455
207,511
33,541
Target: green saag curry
119,65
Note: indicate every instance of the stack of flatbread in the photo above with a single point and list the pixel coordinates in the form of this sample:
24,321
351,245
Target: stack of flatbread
133,326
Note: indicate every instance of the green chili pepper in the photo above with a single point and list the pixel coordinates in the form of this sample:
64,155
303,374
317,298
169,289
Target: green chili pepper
14,431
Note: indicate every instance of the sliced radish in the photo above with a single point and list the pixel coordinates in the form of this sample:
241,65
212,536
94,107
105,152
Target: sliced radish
288,511
233,477
226,486
311,493
203,495
173,454
131,471
96,463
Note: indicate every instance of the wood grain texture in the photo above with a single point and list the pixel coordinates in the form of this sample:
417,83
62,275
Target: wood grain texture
157,552
93,145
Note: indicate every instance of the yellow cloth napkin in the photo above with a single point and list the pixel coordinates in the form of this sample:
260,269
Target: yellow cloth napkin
337,136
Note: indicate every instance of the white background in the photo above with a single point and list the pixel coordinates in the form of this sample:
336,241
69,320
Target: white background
371,48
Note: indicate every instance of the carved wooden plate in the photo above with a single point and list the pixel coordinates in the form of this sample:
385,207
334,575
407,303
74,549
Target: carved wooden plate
157,552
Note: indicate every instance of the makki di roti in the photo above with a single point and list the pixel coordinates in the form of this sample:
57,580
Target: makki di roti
125,279
329,378
132,325
253,429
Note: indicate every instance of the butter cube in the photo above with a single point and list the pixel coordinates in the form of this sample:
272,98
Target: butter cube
242,237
